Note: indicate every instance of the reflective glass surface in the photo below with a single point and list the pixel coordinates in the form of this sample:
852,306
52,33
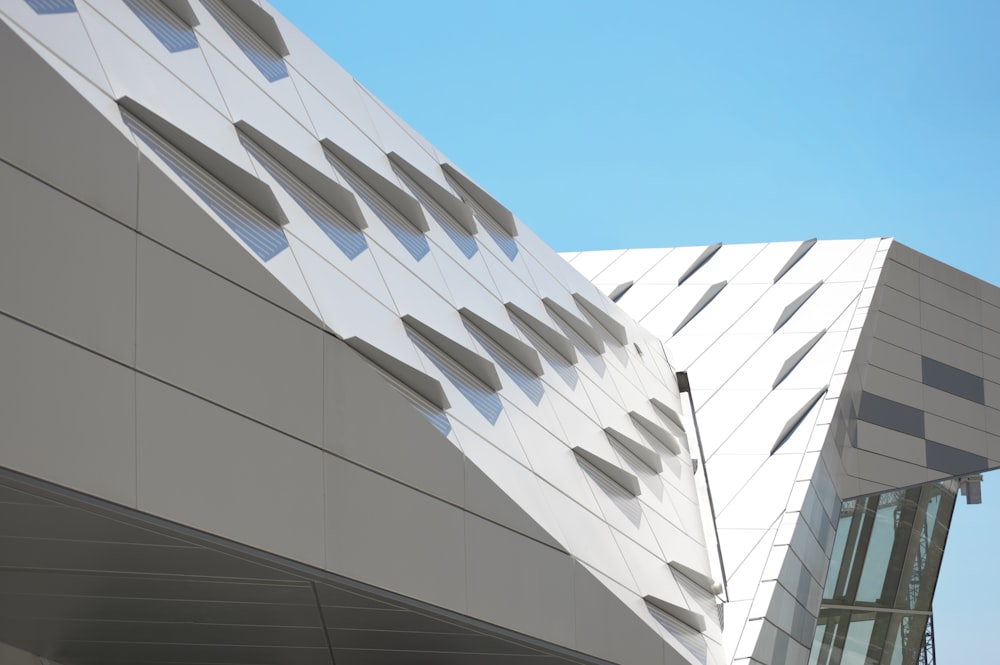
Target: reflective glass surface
885,563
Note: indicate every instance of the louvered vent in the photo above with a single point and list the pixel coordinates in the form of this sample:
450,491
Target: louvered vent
52,6
171,31
264,56
473,376
410,234
337,228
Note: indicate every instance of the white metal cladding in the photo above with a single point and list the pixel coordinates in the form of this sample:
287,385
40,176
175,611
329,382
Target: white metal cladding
824,370
257,346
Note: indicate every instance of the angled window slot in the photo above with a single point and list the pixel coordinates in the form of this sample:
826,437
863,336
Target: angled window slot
552,337
671,413
657,432
169,27
603,319
701,579
414,379
451,204
522,352
795,305
623,478
230,192
796,358
683,614
576,324
255,33
646,455
332,192
796,419
799,252
620,290
702,303
699,262
474,194
479,367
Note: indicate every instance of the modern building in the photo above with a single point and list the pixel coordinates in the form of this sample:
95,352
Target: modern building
279,383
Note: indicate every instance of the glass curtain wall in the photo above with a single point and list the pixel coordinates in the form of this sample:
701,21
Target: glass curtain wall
886,557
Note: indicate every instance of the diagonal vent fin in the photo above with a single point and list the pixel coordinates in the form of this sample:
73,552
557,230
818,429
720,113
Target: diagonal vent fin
702,303
576,324
336,195
495,210
621,477
453,205
796,255
620,290
699,262
367,181
794,306
796,358
552,337
471,361
657,432
796,419
671,413
522,352
425,386
701,579
692,619
648,456
603,319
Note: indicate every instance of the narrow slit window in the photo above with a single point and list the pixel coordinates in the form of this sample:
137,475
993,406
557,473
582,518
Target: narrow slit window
409,236
166,26
264,237
267,61
337,228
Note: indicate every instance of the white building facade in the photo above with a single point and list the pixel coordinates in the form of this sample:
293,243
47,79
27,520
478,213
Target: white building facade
279,383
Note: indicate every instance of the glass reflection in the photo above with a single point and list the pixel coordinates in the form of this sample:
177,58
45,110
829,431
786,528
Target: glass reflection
879,587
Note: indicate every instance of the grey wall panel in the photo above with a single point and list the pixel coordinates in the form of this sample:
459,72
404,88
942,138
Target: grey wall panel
207,335
369,422
519,583
209,468
952,460
68,414
65,267
87,158
390,535
953,380
171,217
891,414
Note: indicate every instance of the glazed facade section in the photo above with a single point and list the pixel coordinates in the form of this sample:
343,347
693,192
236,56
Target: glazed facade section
279,383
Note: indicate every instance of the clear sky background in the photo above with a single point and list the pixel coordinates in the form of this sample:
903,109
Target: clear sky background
658,124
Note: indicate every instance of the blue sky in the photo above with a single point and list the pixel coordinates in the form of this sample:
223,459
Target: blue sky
655,124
